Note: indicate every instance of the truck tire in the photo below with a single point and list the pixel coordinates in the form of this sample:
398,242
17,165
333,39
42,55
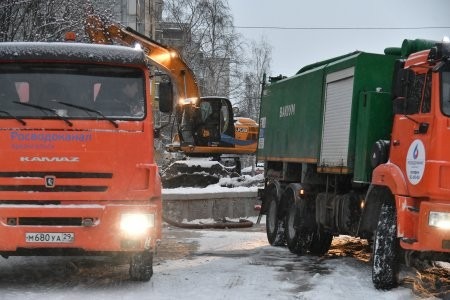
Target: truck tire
298,240
320,243
304,238
290,232
274,226
385,254
141,266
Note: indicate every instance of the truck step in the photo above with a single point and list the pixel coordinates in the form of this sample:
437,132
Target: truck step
413,208
409,241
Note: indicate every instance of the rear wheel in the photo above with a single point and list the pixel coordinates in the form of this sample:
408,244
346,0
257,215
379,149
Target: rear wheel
304,239
141,266
298,240
385,254
320,243
290,231
274,226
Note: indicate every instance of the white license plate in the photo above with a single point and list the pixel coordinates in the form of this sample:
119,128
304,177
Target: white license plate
49,237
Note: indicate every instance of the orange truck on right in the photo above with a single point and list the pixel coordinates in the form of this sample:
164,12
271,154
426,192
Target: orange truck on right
359,145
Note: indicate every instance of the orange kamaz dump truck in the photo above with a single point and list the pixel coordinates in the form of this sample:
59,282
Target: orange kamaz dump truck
77,169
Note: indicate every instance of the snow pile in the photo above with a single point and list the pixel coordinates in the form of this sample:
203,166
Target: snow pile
242,181
210,220
205,174
194,173
210,189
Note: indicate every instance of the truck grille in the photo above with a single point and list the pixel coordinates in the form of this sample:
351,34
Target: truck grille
61,188
49,221
56,174
25,185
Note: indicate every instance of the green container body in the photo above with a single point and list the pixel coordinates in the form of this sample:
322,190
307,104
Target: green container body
297,122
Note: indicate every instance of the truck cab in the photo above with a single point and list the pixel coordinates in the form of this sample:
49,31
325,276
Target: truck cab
78,174
418,170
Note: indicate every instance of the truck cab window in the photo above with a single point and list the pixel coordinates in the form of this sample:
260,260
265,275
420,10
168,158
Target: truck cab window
415,93
426,100
72,89
445,93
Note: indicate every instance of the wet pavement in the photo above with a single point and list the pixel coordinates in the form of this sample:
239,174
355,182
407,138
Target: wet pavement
239,259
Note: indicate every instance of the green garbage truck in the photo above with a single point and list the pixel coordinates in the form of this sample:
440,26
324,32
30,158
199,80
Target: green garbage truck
358,145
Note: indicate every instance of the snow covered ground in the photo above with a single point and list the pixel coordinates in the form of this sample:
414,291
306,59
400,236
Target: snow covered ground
255,270
233,265
198,264
206,264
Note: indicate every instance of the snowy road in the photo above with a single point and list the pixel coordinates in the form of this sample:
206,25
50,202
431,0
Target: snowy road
206,264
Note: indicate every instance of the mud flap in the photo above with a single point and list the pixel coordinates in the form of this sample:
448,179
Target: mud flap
141,266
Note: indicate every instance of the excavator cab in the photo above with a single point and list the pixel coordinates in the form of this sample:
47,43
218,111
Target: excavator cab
205,123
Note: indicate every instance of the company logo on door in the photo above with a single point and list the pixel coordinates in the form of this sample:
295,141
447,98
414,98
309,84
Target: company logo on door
415,162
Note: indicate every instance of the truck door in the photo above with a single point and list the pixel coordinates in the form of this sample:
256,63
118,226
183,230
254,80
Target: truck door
411,134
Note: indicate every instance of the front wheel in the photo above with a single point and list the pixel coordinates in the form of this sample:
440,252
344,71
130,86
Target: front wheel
385,254
141,266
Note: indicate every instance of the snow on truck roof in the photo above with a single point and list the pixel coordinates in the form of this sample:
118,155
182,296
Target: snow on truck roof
31,51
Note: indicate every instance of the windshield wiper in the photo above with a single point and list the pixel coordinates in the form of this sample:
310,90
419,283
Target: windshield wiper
12,116
90,110
46,109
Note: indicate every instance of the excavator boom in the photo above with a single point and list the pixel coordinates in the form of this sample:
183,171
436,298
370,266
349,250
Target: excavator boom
101,31
206,126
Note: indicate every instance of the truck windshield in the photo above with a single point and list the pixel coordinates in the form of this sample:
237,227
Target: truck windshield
73,91
445,93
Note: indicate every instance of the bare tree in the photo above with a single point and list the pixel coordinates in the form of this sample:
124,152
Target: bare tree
210,44
258,64
223,63
45,20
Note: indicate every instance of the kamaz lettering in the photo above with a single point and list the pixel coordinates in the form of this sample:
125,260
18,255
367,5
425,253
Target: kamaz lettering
49,159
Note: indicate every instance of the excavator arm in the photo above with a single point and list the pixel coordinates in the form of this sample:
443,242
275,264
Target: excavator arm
101,31
205,126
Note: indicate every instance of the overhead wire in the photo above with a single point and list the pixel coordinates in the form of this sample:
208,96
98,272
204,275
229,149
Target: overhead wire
342,28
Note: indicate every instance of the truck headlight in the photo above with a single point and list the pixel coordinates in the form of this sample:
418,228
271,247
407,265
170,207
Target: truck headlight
136,224
439,219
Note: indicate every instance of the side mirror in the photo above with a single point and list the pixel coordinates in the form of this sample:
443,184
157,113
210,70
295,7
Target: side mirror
156,133
166,97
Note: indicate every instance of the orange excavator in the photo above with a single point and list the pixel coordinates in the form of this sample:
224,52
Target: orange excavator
205,126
